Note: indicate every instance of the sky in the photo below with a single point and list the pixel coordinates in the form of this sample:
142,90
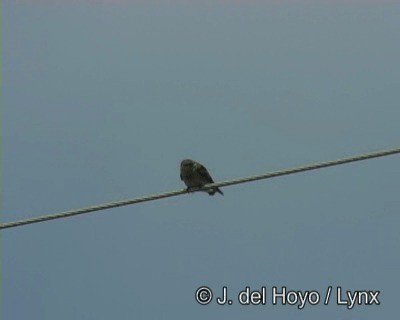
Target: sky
101,100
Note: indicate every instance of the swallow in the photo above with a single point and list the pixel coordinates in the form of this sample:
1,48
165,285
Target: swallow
195,175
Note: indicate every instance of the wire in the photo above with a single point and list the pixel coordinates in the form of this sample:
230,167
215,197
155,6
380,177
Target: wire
312,166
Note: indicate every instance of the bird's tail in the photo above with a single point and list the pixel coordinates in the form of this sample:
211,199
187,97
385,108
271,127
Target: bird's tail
211,192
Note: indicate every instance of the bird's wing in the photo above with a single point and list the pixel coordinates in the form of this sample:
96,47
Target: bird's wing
181,176
202,171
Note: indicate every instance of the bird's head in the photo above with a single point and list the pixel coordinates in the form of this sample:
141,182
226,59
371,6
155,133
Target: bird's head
187,163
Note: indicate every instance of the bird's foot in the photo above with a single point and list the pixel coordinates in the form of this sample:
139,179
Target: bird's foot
189,190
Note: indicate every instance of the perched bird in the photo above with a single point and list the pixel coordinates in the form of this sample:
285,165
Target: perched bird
195,175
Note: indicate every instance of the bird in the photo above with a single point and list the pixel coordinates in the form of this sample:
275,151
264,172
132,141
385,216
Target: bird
195,175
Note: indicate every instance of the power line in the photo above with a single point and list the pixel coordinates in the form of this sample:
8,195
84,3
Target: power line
308,167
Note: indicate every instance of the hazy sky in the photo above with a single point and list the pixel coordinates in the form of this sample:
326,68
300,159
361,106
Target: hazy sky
101,100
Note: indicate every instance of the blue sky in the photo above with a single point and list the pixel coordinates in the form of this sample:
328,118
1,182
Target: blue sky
101,101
